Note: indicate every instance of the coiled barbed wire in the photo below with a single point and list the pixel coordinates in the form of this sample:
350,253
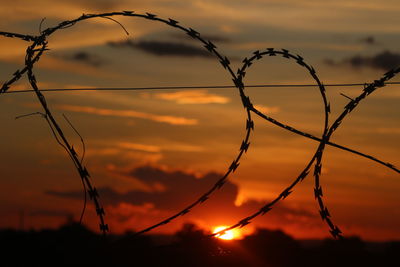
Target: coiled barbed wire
40,45
324,212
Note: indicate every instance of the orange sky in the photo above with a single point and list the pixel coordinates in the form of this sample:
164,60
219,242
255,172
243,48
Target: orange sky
152,152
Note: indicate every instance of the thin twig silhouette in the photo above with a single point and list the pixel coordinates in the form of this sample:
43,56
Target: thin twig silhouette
80,136
43,115
82,158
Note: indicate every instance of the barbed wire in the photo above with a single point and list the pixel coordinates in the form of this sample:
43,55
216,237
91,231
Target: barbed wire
31,58
39,45
324,212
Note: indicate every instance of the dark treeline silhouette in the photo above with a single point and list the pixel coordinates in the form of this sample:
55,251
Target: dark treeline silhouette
75,245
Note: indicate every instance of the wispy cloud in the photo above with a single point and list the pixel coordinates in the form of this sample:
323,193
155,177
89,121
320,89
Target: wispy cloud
139,153
212,38
385,60
168,146
86,58
369,40
139,147
193,97
267,110
164,48
173,120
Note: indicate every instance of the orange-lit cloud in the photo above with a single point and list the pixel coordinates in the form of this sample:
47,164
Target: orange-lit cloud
129,114
178,189
167,146
140,147
267,110
193,97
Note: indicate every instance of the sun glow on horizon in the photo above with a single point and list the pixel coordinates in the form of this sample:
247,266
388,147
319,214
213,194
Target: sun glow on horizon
229,234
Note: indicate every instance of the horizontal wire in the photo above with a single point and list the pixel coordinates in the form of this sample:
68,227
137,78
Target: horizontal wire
190,87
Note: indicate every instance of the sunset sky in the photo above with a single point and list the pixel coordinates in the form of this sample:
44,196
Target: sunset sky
151,152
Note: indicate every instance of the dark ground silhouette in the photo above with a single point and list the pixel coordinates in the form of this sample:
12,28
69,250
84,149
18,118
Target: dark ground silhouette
74,245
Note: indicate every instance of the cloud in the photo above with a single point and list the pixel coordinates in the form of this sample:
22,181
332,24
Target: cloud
86,58
137,152
212,38
168,191
170,146
163,48
140,147
104,155
124,212
179,187
267,110
193,97
369,40
385,60
173,120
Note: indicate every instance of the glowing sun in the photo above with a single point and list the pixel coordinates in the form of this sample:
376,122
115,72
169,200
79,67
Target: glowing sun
228,235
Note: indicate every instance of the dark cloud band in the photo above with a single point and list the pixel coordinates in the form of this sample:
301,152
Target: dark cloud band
163,48
385,60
